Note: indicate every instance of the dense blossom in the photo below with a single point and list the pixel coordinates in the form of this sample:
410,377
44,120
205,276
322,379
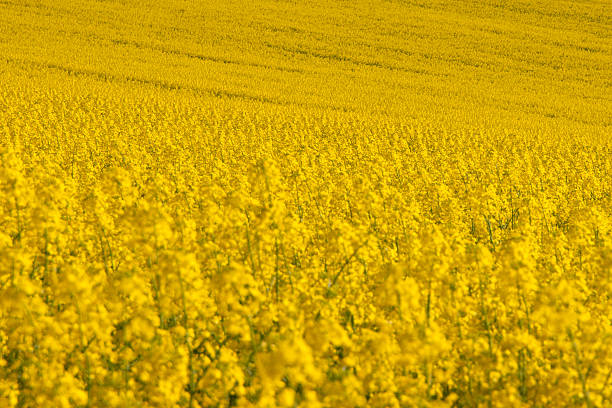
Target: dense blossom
220,204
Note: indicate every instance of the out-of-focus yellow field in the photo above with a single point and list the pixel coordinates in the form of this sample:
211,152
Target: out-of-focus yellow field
314,203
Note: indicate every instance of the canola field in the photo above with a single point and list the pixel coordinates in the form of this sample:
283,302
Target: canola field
311,203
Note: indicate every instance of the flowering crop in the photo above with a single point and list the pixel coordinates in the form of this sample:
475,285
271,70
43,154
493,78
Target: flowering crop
330,204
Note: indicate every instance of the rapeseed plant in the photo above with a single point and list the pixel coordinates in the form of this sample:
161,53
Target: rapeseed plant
226,205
